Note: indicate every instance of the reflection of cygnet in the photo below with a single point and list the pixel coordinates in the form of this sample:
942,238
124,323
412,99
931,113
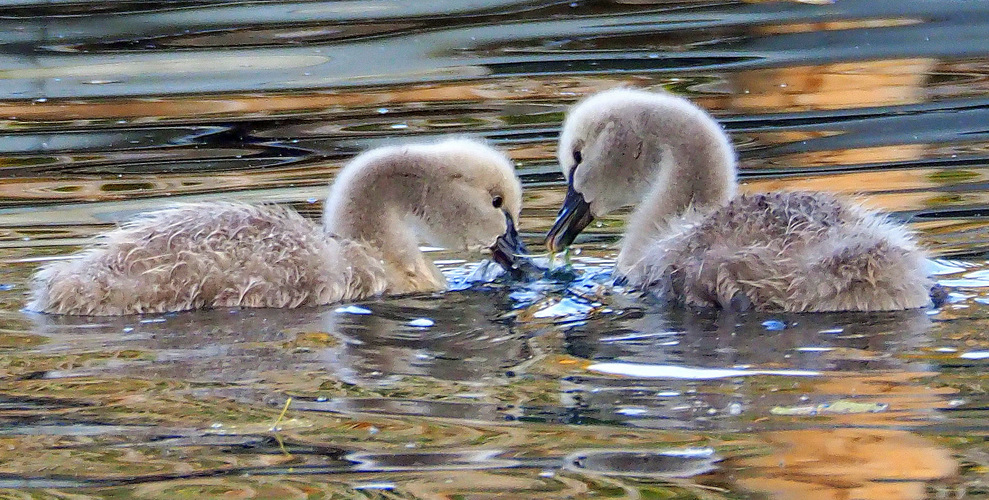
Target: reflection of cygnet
457,194
462,342
692,239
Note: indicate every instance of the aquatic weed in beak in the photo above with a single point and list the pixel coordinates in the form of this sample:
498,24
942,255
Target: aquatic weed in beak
574,216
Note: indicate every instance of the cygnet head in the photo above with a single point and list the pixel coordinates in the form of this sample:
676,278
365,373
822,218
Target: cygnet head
620,146
459,194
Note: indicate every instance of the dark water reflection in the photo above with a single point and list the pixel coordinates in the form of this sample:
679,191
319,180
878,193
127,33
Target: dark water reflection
453,337
552,389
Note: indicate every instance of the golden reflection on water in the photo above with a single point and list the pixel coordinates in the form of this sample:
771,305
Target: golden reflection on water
859,455
832,86
95,188
889,189
826,464
252,105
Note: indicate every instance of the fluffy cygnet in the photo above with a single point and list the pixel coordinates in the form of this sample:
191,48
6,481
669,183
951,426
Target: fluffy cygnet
456,194
691,239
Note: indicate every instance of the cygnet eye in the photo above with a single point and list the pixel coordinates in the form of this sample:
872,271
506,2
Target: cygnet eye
577,157
497,201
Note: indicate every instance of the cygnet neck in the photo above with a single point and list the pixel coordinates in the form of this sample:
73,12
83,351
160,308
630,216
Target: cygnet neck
372,207
696,174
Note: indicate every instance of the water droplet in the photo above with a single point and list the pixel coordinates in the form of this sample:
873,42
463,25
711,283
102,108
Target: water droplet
422,323
375,486
631,411
773,325
352,310
644,370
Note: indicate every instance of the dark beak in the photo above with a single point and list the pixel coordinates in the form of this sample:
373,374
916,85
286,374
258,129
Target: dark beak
509,251
572,219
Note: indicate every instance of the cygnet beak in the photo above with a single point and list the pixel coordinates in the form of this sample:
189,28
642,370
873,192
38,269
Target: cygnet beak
574,216
509,251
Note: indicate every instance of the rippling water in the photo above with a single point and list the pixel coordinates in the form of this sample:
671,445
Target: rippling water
552,389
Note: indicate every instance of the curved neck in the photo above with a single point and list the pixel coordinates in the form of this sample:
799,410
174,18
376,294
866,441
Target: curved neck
355,211
697,180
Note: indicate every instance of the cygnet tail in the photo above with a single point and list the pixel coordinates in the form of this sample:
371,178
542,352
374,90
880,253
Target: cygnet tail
58,288
877,277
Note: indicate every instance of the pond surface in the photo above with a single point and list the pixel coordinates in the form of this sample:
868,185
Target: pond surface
551,389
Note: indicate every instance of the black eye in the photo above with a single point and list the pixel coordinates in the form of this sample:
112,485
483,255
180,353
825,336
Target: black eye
497,201
576,156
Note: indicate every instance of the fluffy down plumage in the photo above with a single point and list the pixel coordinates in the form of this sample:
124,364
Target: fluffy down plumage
789,251
691,239
201,255
221,254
